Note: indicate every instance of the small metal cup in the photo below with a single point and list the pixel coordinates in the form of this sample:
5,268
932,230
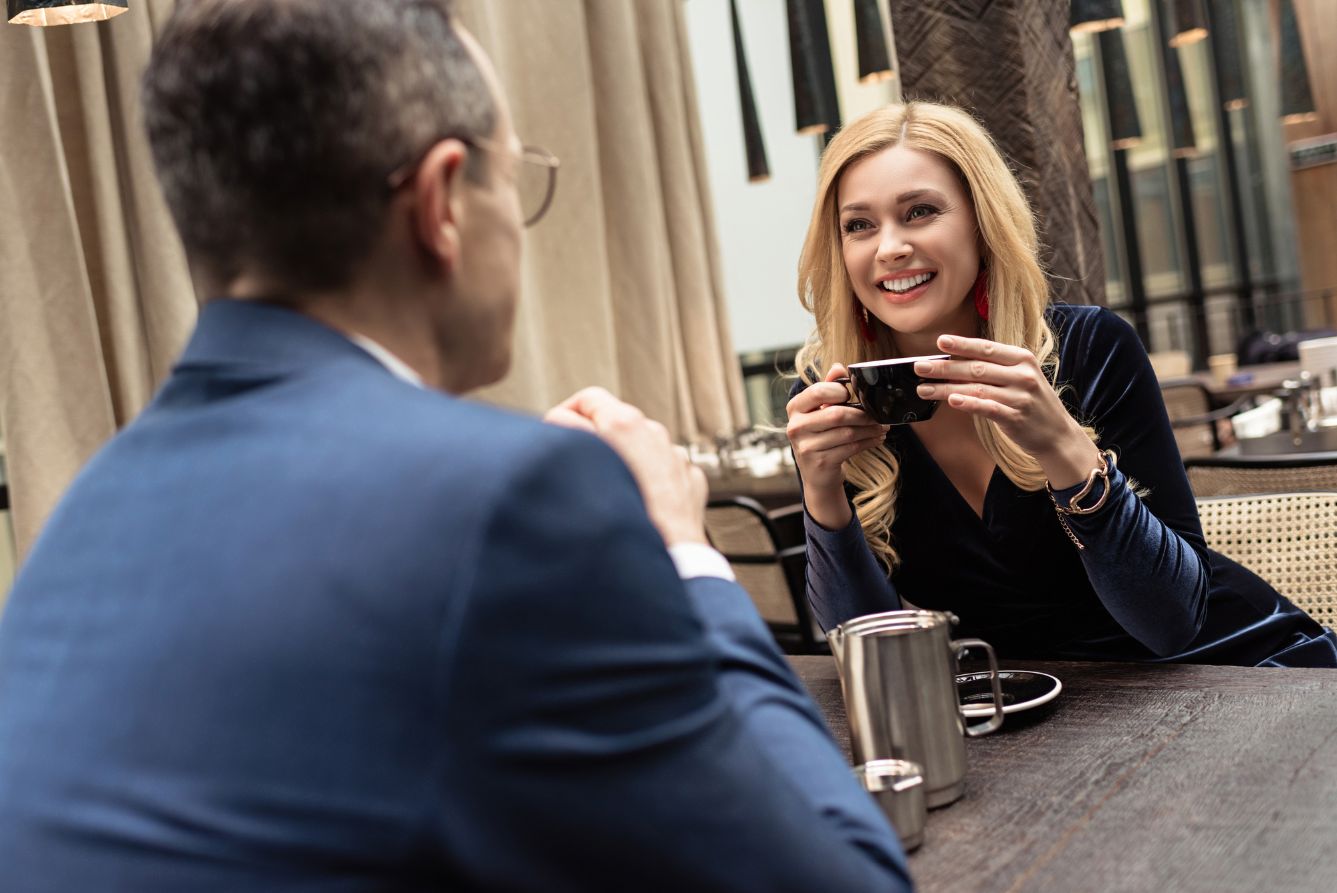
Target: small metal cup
898,787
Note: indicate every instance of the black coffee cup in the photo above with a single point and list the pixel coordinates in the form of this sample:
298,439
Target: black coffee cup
888,390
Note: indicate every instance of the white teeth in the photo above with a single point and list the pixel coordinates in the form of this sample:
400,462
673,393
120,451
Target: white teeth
900,286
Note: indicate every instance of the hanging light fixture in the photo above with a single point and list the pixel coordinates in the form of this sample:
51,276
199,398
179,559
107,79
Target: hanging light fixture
816,109
1095,15
63,12
1190,23
871,36
1297,99
1125,126
1183,144
758,169
1226,48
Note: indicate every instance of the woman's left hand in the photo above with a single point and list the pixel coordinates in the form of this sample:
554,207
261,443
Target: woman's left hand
1006,385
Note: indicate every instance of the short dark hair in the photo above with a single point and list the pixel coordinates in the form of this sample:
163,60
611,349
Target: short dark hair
275,123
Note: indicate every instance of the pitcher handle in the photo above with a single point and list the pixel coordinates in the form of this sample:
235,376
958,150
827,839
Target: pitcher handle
992,724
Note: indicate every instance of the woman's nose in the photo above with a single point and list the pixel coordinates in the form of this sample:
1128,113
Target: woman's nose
892,246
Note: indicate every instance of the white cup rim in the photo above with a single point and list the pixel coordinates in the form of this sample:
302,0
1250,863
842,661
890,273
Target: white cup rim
896,361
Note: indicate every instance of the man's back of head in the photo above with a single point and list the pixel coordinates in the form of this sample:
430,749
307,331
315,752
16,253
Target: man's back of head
274,125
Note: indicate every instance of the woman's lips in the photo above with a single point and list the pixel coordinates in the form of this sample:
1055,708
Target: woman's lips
905,297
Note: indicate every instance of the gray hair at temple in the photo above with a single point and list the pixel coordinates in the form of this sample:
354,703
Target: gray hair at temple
274,125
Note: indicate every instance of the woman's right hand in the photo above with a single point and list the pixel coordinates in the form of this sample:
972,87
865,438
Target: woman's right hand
824,433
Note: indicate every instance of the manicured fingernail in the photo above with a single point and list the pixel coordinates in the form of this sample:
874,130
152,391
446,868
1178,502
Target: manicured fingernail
946,342
926,390
923,367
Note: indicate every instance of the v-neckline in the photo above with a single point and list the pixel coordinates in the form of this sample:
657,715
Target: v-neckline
985,515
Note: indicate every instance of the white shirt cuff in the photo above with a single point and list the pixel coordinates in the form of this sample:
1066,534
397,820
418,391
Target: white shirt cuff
699,560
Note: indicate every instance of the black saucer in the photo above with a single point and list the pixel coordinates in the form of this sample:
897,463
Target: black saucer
1022,690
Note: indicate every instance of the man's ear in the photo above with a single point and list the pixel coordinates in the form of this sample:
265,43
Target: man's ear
439,186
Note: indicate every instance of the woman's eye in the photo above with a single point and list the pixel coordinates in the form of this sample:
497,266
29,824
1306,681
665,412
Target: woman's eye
919,211
854,226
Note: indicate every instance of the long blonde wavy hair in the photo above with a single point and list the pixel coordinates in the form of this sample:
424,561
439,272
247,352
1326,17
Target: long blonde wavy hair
1018,293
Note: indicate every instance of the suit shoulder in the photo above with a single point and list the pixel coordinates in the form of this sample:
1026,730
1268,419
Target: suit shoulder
512,447
416,419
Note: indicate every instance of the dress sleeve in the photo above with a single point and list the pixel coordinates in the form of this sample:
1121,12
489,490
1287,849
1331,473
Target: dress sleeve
611,721
843,577
1145,555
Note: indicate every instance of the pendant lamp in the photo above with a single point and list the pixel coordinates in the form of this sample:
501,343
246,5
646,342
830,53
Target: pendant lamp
758,168
874,60
1183,143
1190,23
1297,99
1125,125
63,12
1095,15
816,109
1225,36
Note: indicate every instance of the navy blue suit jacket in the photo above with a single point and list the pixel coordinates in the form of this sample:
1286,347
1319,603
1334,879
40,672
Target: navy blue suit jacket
304,626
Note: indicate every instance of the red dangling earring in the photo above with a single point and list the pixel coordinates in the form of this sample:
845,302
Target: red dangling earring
982,295
865,327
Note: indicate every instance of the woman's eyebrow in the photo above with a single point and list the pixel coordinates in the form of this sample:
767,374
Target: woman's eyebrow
901,199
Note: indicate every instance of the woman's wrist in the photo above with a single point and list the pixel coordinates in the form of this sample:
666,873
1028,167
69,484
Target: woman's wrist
829,508
1070,460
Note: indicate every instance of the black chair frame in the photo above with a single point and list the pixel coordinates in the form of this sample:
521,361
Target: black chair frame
792,558
1207,418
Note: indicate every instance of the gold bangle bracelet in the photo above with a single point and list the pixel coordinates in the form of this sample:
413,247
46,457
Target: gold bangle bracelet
1074,506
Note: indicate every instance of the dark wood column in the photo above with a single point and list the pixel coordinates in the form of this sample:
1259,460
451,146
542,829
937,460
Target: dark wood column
1010,63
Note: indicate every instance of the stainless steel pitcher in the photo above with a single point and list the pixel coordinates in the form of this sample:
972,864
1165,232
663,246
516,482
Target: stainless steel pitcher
898,674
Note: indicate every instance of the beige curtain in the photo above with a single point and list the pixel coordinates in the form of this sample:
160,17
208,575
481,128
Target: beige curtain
621,282
95,299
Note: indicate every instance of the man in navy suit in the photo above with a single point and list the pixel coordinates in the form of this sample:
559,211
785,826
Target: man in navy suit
312,622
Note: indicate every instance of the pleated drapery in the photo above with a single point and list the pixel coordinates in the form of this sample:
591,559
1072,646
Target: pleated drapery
621,282
95,297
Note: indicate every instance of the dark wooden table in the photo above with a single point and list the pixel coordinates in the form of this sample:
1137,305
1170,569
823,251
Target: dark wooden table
1310,448
1262,379
1139,778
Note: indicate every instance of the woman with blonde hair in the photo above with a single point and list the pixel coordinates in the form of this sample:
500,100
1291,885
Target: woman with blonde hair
1044,502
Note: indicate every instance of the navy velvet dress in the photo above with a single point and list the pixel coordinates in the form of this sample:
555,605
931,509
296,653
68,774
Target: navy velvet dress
1145,588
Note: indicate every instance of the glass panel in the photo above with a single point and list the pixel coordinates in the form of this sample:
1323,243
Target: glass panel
1223,328
1170,329
1115,295
1093,113
1149,162
1144,68
1157,233
1206,171
1251,208
1209,213
1098,164
767,378
1196,65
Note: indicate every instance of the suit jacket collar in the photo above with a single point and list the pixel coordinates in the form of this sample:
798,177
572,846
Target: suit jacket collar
268,337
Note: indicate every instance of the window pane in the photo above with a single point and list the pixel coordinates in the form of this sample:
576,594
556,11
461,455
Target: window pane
1097,161
1149,162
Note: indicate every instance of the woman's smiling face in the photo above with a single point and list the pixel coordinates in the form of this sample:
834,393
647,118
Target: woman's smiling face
909,237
